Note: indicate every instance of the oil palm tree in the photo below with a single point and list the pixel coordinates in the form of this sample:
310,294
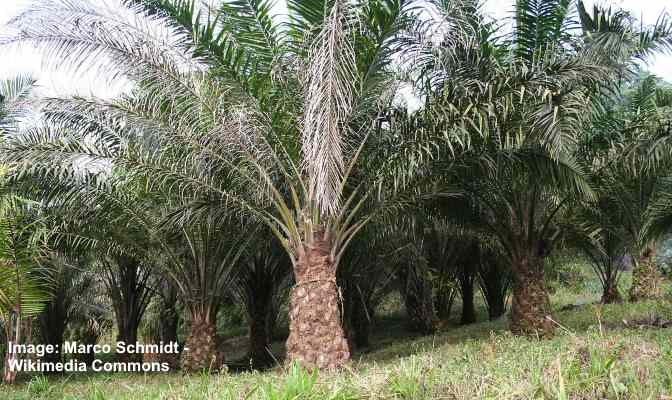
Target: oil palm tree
599,233
135,241
15,97
162,321
630,127
71,285
241,114
118,253
524,99
261,285
627,147
23,292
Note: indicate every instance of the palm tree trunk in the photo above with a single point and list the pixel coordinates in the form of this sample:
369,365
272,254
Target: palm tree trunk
530,308
168,334
467,291
316,336
645,277
260,339
9,375
88,335
418,301
52,328
496,308
126,283
494,283
610,293
128,334
201,351
444,301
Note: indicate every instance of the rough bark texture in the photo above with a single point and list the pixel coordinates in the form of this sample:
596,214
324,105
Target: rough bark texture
316,336
200,351
645,278
530,309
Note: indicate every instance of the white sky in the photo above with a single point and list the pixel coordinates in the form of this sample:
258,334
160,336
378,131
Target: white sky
61,82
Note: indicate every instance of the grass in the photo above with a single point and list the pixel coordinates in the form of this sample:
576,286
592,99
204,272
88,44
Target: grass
595,355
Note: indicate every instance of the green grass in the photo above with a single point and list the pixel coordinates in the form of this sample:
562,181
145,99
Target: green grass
594,356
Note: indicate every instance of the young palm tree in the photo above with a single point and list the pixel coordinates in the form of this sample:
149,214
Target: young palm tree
628,148
135,241
599,233
118,254
620,38
23,294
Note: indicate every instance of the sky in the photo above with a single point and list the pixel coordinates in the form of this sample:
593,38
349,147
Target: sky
54,81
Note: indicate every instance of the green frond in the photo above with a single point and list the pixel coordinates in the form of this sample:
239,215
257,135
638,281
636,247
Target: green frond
14,102
540,24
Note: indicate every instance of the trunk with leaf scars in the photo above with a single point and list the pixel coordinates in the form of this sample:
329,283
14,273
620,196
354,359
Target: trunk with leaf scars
645,277
316,336
530,308
200,352
8,376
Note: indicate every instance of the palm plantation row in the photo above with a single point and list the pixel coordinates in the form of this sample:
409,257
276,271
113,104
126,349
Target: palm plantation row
258,159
